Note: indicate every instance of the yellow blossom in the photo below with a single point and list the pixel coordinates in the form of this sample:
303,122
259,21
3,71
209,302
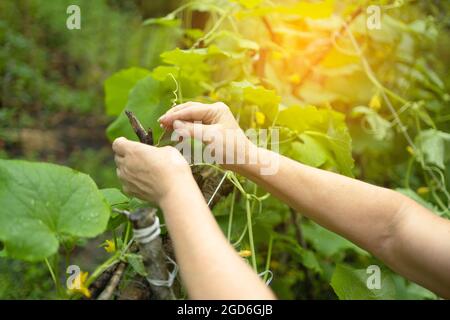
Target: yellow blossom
410,150
260,117
277,55
213,95
375,103
294,78
109,246
245,253
423,190
79,285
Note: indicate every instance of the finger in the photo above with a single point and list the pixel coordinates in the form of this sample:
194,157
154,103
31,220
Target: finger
191,113
120,146
126,190
194,130
119,173
119,160
179,107
183,106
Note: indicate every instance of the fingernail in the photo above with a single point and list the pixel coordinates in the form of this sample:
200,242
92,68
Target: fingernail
161,118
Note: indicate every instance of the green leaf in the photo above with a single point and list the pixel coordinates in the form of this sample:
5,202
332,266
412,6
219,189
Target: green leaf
42,203
149,99
407,290
232,42
306,257
266,100
192,71
351,284
118,86
136,262
434,146
326,242
327,128
114,197
309,260
340,145
309,151
379,127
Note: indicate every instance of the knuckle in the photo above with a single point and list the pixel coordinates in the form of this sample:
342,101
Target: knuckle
221,105
168,149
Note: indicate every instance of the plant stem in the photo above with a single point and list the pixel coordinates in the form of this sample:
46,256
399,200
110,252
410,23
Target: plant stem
105,265
408,172
250,233
269,256
241,236
52,274
230,218
126,235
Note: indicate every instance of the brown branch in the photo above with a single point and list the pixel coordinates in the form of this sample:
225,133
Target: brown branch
108,292
153,254
144,137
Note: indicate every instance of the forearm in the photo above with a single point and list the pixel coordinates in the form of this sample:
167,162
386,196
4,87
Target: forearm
358,211
406,236
210,267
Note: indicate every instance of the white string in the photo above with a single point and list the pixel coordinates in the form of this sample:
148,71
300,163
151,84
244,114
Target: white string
268,281
217,188
148,234
172,275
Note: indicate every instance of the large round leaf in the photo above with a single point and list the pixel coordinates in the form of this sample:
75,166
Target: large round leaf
40,203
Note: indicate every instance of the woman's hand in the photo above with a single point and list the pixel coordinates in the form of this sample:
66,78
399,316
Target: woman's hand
214,124
148,172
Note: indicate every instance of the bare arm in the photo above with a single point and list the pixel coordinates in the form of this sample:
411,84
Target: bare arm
407,237
210,267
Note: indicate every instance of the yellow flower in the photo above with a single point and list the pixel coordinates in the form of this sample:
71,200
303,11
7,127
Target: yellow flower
375,103
213,95
79,285
294,78
245,253
423,190
277,55
109,246
410,150
260,117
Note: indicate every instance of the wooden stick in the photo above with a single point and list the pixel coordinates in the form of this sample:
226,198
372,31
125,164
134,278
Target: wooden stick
144,137
154,257
113,282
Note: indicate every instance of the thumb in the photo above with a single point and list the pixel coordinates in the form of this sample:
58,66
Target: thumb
120,146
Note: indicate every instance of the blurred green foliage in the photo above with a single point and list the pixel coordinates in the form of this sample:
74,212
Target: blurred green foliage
51,93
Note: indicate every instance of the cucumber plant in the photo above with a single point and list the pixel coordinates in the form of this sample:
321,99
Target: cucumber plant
336,91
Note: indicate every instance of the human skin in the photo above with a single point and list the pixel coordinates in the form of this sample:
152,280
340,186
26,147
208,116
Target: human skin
209,265
406,236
